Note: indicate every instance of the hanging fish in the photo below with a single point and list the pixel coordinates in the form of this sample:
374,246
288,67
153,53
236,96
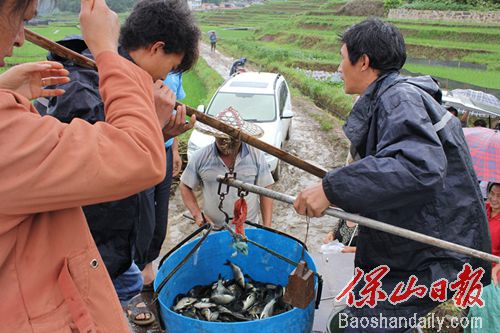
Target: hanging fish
237,273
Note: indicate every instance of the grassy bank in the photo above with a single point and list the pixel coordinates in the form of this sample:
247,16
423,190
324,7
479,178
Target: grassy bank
200,84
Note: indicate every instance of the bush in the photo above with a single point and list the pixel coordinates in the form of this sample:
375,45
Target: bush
390,4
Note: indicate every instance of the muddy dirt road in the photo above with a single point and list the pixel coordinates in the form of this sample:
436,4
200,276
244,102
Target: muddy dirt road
308,141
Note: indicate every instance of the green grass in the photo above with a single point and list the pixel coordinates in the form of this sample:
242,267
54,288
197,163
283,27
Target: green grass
195,90
200,84
486,79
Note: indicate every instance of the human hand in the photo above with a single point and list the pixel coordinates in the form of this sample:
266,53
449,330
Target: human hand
28,79
494,274
349,249
312,201
176,163
328,238
100,26
201,219
164,102
177,123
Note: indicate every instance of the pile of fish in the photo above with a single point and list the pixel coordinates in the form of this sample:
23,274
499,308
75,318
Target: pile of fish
232,300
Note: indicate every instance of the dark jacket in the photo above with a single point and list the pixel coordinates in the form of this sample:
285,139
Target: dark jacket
112,224
411,176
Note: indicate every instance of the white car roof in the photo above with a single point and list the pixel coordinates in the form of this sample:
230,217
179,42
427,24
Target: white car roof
251,82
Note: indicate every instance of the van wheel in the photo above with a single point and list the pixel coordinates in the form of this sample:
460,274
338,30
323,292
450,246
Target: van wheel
276,172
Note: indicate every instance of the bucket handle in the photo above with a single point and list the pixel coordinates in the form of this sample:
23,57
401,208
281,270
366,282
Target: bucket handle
183,261
304,246
182,242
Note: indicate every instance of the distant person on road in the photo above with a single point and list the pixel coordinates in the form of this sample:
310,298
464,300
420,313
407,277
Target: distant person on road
411,165
238,66
213,40
227,155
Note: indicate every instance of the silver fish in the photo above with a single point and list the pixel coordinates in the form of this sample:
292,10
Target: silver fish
238,274
233,289
225,311
255,311
184,302
268,309
222,298
249,301
204,305
209,315
220,289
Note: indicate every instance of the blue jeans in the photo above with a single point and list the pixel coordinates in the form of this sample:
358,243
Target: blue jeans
128,284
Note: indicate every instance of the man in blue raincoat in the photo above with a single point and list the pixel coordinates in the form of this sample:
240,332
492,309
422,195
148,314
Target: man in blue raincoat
411,169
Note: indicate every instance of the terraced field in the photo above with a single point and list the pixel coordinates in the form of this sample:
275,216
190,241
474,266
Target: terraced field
303,34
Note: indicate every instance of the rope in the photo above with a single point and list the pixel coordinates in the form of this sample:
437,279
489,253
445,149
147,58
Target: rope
240,215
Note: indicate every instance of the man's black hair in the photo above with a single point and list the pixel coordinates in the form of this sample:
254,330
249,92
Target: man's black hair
382,42
168,21
480,123
452,110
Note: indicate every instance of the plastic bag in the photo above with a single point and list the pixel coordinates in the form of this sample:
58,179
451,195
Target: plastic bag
333,247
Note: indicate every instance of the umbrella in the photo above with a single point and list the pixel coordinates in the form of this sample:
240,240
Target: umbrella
484,146
477,102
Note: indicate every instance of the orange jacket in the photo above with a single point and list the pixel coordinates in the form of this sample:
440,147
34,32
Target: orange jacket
52,278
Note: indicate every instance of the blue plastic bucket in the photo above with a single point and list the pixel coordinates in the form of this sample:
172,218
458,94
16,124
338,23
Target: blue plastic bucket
206,264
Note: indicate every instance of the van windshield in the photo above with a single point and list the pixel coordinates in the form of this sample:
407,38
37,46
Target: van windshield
252,107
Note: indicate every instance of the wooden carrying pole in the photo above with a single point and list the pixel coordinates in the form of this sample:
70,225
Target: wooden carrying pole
364,221
59,49
200,116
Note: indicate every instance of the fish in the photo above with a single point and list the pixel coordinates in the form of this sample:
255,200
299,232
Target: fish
268,309
237,273
222,298
220,289
256,310
204,305
199,291
184,303
228,313
249,301
209,315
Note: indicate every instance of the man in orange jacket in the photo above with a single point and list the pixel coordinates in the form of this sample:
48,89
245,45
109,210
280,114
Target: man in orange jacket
51,273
